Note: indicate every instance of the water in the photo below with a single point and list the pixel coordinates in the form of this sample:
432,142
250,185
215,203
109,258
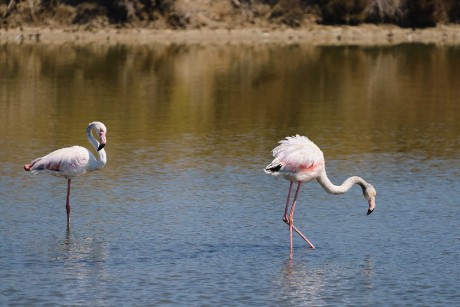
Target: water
183,213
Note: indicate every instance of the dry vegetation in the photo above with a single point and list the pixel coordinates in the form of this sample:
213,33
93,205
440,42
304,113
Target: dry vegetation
226,14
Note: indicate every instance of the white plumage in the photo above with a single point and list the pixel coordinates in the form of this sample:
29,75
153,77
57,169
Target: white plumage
296,159
298,149
66,162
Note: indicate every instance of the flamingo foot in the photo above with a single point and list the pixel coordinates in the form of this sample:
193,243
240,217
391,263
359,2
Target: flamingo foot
285,220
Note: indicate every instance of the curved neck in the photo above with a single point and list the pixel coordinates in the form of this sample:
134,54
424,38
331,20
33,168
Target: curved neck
101,153
344,187
91,138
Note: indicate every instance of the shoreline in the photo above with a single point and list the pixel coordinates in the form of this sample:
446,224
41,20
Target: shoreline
314,35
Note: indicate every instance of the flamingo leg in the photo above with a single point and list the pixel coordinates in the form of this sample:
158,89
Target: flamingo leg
290,240
291,213
67,206
285,219
290,221
291,218
303,237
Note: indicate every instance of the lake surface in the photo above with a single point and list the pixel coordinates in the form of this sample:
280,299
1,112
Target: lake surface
183,213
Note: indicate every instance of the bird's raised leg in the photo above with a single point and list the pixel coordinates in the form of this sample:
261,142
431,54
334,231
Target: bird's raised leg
291,219
285,219
291,213
67,206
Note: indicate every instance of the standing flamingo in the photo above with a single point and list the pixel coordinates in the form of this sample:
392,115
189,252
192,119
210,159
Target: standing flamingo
299,160
73,161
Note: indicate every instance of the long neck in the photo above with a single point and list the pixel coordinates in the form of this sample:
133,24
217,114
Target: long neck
102,158
339,189
101,153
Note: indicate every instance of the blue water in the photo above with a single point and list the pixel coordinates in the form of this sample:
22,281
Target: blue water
214,235
184,215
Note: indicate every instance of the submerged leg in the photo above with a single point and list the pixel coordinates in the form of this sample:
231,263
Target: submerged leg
291,219
67,206
290,240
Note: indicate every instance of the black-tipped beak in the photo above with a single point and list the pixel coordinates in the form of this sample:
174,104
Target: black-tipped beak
102,140
371,206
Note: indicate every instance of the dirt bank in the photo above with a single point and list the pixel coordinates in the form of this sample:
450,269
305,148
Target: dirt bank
220,21
314,35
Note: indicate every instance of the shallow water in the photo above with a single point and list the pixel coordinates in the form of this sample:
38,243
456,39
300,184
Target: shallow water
183,213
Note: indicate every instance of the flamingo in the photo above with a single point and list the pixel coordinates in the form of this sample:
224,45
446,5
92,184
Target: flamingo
298,159
73,161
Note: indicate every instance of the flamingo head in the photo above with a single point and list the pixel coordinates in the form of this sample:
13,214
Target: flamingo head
370,193
101,131
102,139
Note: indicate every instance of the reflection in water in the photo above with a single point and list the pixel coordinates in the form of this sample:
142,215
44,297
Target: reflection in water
82,261
405,95
300,285
309,283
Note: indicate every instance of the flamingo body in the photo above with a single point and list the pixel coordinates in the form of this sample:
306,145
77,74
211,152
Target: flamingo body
298,159
73,161
66,162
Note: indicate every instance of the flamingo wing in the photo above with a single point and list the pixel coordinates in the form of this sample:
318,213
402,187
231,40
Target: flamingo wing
298,157
67,162
298,150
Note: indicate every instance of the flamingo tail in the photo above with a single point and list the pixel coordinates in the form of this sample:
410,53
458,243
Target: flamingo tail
273,167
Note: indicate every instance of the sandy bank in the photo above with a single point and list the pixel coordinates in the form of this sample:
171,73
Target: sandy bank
314,35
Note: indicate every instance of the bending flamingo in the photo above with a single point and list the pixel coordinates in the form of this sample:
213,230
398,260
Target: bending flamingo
73,161
298,159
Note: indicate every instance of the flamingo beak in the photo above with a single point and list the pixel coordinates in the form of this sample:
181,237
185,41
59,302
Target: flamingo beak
371,206
102,140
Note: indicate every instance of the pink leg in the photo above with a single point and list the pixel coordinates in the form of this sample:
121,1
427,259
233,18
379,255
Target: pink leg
290,240
285,219
303,237
68,203
291,220
291,214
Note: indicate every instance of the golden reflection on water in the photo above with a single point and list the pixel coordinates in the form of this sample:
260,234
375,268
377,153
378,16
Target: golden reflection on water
349,100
